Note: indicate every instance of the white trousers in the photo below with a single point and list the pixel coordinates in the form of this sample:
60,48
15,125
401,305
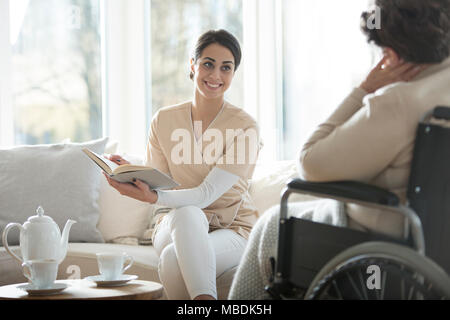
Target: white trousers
190,258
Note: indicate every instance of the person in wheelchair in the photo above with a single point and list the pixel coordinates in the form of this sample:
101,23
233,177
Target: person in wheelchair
370,136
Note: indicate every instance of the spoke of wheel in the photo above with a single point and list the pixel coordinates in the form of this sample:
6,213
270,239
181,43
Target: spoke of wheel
413,285
323,294
430,289
421,281
402,288
411,291
363,287
337,290
383,285
418,294
354,286
402,283
377,293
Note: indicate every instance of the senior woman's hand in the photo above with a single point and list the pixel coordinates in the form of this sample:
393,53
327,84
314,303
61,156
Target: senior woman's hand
384,74
137,190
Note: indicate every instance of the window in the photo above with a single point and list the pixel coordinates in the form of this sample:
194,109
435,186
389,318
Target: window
175,27
325,55
56,70
86,68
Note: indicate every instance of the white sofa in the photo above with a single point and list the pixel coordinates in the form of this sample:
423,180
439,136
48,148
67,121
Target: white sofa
121,232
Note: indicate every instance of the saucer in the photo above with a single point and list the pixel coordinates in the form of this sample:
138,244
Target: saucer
123,279
32,290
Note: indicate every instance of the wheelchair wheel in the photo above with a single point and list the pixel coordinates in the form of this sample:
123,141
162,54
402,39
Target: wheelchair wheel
380,271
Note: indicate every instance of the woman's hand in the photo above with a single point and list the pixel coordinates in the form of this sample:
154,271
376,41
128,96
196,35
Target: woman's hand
117,159
138,190
382,76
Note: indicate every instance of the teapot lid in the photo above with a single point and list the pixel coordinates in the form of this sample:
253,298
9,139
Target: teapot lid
40,217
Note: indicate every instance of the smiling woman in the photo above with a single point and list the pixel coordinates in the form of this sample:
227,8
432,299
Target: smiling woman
212,214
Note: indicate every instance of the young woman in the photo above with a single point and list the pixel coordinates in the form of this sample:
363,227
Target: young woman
210,148
370,136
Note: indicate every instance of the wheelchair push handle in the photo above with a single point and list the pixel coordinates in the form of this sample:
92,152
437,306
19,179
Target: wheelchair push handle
438,112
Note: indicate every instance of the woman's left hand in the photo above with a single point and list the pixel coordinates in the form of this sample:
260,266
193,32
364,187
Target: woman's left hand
138,190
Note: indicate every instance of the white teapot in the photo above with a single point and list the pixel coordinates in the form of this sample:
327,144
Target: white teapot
40,238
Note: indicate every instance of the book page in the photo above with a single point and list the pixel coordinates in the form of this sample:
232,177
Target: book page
107,165
130,167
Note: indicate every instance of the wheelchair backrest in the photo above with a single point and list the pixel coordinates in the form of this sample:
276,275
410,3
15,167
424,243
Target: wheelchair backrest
429,184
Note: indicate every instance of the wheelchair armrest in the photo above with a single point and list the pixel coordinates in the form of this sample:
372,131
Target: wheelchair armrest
438,113
350,190
357,192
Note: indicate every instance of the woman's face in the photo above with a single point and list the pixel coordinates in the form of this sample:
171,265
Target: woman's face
213,71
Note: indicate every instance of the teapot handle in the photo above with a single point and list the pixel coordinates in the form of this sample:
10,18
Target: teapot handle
5,239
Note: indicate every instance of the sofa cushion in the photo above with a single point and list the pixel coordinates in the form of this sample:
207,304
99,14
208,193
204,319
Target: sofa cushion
10,269
122,216
145,258
58,177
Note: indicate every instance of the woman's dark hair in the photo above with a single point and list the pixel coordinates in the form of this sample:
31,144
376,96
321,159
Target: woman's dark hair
222,37
418,30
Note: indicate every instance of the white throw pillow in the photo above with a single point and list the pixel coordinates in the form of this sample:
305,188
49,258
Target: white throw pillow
58,177
269,179
111,147
122,216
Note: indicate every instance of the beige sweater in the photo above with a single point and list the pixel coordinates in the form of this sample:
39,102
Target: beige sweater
172,126
370,138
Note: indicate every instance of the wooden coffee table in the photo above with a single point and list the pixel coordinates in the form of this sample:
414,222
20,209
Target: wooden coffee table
87,290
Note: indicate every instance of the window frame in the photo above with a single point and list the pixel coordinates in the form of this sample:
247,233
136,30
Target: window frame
127,99
263,85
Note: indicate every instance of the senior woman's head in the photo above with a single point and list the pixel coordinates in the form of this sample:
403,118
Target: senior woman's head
417,31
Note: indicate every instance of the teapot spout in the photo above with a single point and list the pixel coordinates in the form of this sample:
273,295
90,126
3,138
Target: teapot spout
65,240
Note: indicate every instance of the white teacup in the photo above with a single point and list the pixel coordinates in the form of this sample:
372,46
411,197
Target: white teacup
41,273
113,265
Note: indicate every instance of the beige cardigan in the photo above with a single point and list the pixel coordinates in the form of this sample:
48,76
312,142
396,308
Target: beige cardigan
370,138
234,209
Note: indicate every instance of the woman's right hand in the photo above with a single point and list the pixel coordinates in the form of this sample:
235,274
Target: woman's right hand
117,159
382,74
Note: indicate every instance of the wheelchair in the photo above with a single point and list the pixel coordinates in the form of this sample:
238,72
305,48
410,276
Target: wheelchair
325,262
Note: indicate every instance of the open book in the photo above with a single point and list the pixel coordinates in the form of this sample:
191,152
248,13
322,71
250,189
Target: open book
127,172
